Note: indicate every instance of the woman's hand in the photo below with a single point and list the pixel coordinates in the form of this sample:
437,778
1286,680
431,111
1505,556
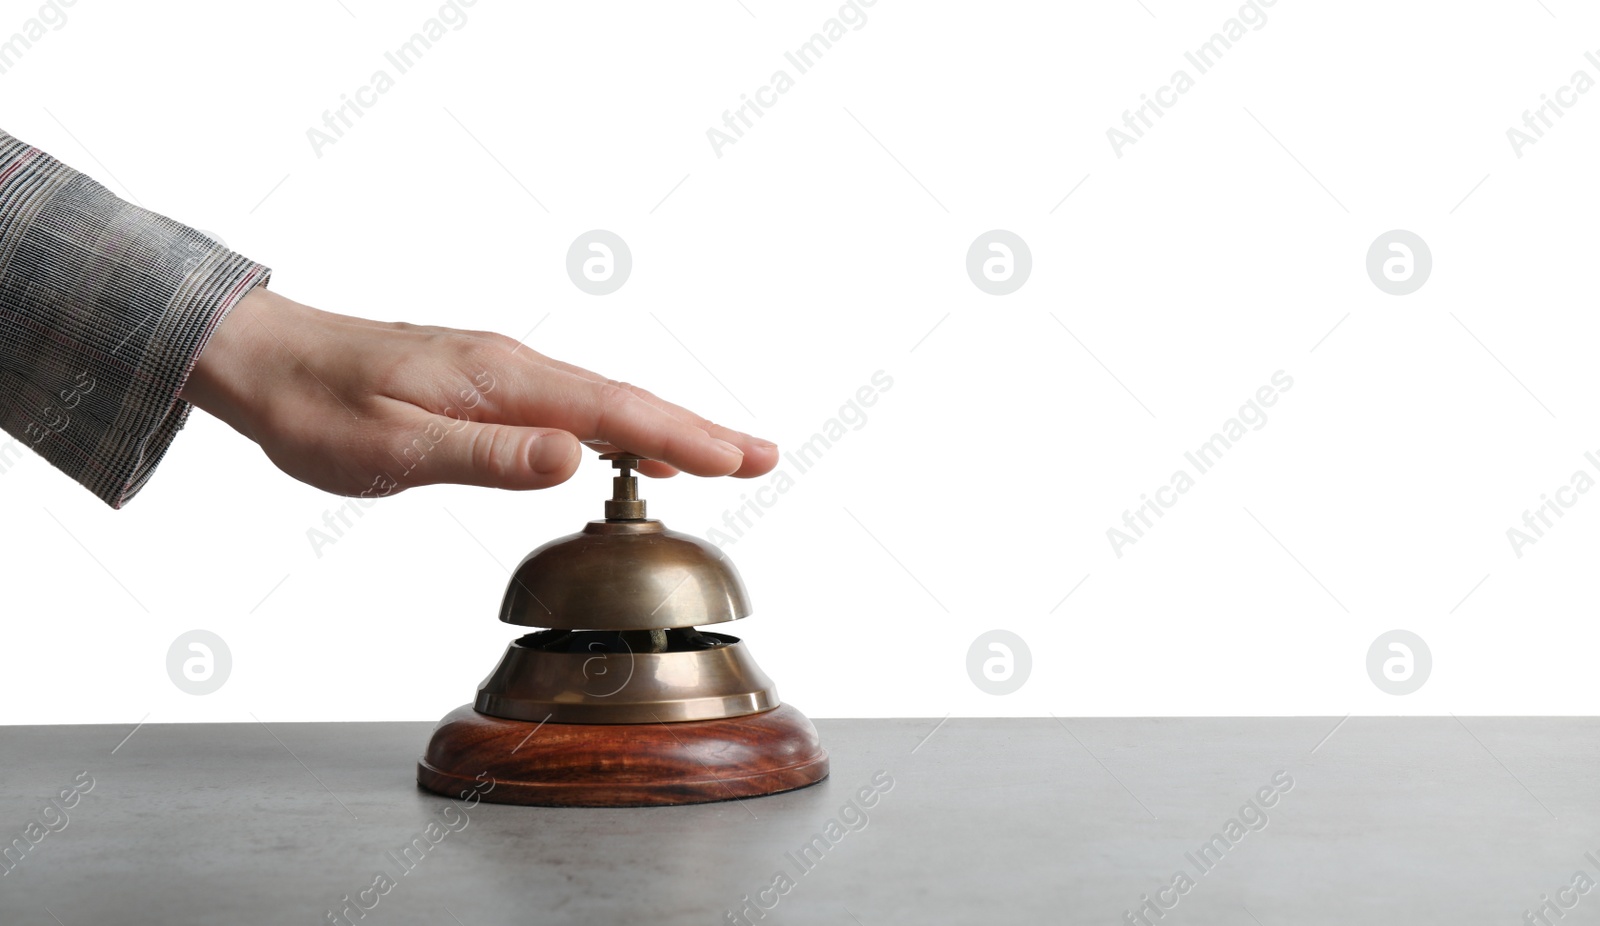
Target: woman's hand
359,407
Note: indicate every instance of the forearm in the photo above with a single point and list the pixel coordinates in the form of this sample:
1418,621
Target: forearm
104,307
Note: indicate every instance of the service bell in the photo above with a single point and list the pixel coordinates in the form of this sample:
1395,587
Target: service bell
621,700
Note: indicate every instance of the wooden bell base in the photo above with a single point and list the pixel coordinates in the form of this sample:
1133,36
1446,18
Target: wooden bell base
622,765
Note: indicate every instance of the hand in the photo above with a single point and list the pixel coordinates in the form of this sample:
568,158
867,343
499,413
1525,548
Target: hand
359,407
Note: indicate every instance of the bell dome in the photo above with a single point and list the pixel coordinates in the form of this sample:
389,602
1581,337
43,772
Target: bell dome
624,574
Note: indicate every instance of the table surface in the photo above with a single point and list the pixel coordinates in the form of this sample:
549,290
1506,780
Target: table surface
1414,820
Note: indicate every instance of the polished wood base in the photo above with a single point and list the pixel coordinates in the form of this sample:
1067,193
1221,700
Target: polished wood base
621,765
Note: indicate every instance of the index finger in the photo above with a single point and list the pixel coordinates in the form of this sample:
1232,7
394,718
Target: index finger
760,456
612,413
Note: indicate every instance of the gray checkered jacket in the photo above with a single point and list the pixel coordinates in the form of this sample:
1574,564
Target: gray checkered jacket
104,307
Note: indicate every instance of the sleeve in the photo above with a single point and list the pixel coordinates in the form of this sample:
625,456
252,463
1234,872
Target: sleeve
104,307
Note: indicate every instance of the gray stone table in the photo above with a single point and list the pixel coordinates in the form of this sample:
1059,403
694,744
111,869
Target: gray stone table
1258,822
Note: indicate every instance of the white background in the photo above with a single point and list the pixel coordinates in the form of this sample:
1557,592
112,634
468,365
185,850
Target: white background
1224,246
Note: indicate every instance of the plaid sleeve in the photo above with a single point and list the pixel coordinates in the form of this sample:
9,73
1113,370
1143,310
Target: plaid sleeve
104,307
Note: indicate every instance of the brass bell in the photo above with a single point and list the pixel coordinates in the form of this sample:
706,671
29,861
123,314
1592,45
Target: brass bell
620,700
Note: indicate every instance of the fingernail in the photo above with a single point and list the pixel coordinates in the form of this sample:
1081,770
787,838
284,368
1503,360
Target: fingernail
729,447
765,445
549,454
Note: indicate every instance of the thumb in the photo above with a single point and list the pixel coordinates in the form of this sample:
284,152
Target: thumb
497,456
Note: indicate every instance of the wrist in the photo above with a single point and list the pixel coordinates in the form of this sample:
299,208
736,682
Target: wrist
223,380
